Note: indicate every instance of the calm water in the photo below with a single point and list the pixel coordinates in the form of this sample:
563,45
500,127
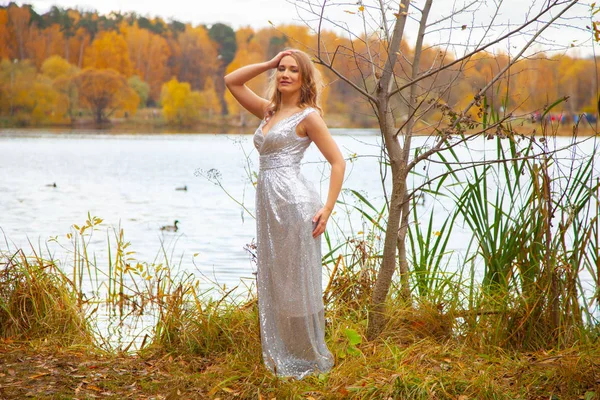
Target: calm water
130,181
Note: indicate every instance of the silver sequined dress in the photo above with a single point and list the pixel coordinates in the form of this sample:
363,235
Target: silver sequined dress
289,279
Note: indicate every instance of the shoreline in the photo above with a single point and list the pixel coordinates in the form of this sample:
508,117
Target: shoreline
150,121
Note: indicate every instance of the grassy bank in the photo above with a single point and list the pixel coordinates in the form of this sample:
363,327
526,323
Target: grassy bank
389,368
206,347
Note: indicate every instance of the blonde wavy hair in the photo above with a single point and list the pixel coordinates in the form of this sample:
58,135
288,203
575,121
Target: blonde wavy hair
310,89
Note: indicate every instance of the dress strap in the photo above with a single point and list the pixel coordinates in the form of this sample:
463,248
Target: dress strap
302,114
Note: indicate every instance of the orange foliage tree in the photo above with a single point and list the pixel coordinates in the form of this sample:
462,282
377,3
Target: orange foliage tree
18,25
105,91
4,36
109,50
149,54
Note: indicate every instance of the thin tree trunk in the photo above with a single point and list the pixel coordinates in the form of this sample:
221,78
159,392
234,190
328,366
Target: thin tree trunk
386,118
412,108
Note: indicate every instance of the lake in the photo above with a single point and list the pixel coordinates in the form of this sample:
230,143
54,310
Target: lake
130,181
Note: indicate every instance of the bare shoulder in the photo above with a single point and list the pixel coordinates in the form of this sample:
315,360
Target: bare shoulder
314,123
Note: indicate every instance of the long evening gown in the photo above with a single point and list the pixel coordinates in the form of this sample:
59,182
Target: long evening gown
289,278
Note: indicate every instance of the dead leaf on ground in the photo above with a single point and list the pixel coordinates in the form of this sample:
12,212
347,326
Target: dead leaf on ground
39,375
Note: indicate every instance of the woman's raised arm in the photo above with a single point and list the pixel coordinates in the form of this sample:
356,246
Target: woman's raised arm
236,83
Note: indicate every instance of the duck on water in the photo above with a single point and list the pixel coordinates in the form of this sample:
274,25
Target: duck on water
170,228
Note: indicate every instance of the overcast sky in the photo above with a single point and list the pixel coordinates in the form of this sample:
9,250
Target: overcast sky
258,13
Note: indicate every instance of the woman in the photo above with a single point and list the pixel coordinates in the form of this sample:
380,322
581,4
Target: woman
290,217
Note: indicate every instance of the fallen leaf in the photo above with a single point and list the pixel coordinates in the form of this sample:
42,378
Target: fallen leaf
39,375
11,372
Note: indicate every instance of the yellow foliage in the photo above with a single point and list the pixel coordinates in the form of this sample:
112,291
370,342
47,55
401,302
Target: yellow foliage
56,66
210,100
109,50
181,105
26,96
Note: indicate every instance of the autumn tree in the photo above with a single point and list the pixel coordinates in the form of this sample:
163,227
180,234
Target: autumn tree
16,78
4,34
66,22
180,104
105,91
149,54
224,37
109,50
62,75
18,22
194,56
87,29
28,97
55,66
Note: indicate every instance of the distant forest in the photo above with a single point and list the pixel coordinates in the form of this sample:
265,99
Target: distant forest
69,64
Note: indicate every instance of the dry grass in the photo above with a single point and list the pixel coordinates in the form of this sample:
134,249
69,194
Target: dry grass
38,301
404,363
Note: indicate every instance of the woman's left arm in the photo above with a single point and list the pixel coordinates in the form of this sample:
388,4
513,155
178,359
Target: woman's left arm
317,131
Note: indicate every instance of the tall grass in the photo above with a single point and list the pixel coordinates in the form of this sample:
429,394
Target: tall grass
38,302
531,216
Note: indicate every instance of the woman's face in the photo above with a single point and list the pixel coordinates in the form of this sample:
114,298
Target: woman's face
288,75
